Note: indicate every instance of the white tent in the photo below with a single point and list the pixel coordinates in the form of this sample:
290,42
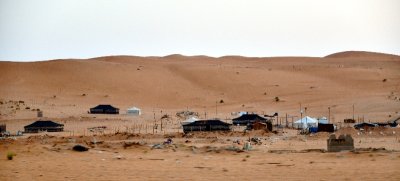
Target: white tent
323,120
305,122
134,111
190,120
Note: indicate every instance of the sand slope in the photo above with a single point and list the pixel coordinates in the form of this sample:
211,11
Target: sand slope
178,82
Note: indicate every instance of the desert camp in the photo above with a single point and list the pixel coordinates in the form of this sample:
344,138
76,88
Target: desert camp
199,90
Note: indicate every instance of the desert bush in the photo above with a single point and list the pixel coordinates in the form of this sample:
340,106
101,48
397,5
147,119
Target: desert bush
384,80
10,155
277,99
221,101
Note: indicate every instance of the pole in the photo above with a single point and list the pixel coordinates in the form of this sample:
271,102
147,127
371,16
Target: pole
216,109
329,114
353,111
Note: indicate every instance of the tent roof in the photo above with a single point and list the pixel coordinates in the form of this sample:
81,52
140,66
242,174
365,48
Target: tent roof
133,108
43,124
191,119
306,119
208,122
104,106
250,117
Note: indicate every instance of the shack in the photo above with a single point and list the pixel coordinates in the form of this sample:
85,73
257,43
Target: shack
48,126
207,125
104,109
247,119
343,142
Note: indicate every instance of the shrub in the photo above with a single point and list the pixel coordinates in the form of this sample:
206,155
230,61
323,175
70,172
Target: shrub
10,155
277,99
221,101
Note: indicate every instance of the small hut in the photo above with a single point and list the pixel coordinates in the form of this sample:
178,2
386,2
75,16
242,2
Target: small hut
104,109
246,119
48,126
207,125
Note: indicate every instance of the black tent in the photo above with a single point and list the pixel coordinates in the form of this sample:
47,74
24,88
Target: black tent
104,109
246,119
207,125
48,126
326,128
364,125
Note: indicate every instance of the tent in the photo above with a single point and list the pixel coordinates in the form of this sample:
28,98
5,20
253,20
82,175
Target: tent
48,126
104,109
134,111
323,120
207,125
305,123
190,120
246,119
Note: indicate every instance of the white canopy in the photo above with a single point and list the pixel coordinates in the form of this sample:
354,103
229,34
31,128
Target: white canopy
190,120
133,111
305,122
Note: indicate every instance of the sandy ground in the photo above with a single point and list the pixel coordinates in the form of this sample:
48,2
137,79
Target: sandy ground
65,90
200,157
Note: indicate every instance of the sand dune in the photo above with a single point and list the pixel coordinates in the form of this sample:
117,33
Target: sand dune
361,54
178,82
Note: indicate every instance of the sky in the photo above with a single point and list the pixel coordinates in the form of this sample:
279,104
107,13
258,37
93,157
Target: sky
33,30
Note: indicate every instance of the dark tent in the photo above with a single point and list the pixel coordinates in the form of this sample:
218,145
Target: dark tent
326,128
246,119
48,126
104,109
207,125
364,125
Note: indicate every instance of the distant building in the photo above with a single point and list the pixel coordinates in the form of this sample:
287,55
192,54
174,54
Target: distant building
247,119
206,125
104,109
48,126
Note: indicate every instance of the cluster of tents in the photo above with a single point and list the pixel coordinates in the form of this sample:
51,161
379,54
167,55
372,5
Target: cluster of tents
108,109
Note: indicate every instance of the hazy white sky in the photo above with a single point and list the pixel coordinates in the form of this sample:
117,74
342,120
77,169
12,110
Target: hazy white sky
51,29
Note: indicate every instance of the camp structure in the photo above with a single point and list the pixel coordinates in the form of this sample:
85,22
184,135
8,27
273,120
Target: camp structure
260,126
365,126
133,111
246,119
305,123
326,128
190,120
207,125
104,109
48,126
323,120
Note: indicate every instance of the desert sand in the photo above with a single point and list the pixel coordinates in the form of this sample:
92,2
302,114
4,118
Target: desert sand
65,90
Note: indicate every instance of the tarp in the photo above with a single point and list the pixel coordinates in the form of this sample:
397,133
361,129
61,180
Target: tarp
305,123
190,120
134,111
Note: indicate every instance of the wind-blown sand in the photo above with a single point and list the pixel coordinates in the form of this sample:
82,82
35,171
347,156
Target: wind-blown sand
65,90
